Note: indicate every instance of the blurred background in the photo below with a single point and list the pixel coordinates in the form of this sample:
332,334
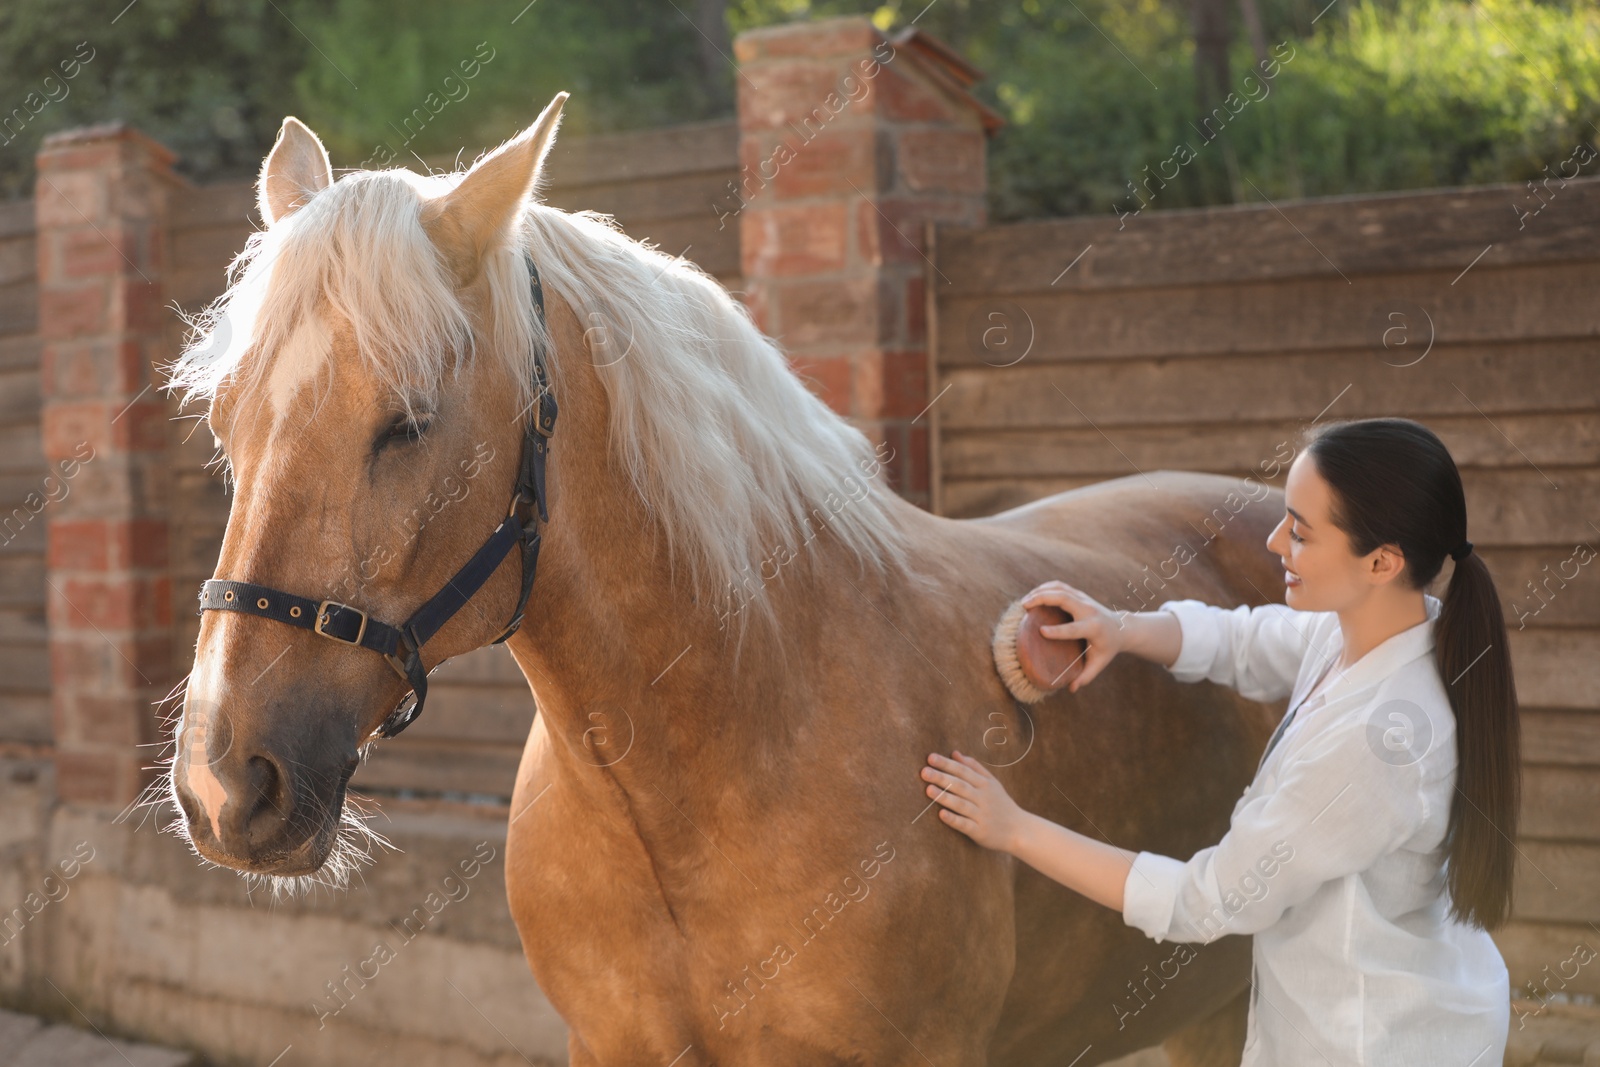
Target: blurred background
1380,94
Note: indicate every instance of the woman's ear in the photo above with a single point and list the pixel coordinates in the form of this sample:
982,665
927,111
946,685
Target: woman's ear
1387,562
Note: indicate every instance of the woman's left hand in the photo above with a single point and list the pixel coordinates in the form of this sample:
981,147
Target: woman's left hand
973,800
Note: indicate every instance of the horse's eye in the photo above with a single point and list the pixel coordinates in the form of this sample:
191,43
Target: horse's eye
402,429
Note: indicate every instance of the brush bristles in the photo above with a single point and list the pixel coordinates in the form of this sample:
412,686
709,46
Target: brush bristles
1005,656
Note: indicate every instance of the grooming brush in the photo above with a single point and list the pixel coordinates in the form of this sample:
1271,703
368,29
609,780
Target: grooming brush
1031,665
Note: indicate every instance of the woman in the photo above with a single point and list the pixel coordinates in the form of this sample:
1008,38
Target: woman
1373,850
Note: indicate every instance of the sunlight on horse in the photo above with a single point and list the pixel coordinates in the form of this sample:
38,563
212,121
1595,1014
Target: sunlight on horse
739,868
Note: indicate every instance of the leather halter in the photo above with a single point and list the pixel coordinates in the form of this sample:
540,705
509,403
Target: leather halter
402,645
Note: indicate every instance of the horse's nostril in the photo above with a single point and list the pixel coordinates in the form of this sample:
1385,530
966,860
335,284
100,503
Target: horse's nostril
266,806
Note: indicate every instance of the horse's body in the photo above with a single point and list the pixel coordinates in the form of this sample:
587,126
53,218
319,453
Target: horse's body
720,851
685,861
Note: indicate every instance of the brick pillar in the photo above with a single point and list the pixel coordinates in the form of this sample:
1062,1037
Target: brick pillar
101,202
850,143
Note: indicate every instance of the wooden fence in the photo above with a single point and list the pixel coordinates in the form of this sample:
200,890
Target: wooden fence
24,492
1072,351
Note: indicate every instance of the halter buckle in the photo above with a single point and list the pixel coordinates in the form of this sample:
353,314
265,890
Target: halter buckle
325,616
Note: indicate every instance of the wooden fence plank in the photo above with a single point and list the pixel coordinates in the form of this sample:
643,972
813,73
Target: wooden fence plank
1560,803
1561,736
1491,379
1556,439
1503,507
1544,300
1365,234
1557,881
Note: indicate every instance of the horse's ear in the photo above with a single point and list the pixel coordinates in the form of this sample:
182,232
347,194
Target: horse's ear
468,221
296,169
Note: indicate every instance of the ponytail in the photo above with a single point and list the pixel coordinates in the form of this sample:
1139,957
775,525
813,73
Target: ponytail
1475,666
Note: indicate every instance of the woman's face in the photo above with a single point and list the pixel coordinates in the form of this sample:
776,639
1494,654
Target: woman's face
1321,573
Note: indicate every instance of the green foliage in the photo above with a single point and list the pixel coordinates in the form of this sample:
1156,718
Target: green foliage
204,77
1377,95
366,87
1100,94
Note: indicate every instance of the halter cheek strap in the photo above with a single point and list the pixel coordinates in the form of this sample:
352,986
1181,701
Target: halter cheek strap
402,645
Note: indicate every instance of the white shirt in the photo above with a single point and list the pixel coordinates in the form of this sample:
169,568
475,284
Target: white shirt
1333,858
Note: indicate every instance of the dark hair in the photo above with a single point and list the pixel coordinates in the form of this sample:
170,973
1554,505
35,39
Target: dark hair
1394,483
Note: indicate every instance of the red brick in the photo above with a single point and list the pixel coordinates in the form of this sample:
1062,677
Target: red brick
102,155
80,544
891,228
117,601
794,241
71,197
92,777
774,96
832,37
84,664
941,161
141,543
901,96
85,252
67,427
916,309
138,305
835,162
893,384
89,368
141,426
108,720
841,312
917,459
831,378
74,311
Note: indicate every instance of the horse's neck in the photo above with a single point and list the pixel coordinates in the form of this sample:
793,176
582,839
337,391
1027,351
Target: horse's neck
617,647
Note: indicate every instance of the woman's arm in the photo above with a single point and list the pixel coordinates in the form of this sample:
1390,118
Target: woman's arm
1337,807
975,803
1093,868
1255,650
1153,635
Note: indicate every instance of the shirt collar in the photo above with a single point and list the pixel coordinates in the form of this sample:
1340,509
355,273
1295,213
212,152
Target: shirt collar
1387,657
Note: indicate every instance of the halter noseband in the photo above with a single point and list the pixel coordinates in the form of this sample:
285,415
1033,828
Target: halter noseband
402,645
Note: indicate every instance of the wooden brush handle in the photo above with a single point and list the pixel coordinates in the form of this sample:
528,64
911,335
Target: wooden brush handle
1048,663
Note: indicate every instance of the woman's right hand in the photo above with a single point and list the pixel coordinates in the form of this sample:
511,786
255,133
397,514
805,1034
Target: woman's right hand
1096,625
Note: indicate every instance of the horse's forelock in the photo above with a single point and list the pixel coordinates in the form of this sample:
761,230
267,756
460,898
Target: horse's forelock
359,250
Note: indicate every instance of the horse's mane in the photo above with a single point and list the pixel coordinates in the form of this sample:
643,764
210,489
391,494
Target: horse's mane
724,444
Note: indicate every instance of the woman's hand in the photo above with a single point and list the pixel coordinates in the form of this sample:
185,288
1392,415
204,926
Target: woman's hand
1092,622
974,801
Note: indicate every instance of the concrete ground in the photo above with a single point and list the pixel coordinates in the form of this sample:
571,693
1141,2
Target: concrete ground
1557,1035
1554,1035
29,1042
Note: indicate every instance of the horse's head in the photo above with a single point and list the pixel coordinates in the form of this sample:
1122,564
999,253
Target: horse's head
367,376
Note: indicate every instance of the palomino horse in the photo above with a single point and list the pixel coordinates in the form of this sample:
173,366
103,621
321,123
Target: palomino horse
741,645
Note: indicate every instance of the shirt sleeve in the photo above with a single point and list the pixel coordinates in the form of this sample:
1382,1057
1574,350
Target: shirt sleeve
1337,808
1256,650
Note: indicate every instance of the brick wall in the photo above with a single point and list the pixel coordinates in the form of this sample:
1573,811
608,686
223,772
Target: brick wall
850,146
101,206
96,593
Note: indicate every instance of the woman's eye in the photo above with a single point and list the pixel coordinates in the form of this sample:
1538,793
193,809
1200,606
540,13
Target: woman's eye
1294,536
